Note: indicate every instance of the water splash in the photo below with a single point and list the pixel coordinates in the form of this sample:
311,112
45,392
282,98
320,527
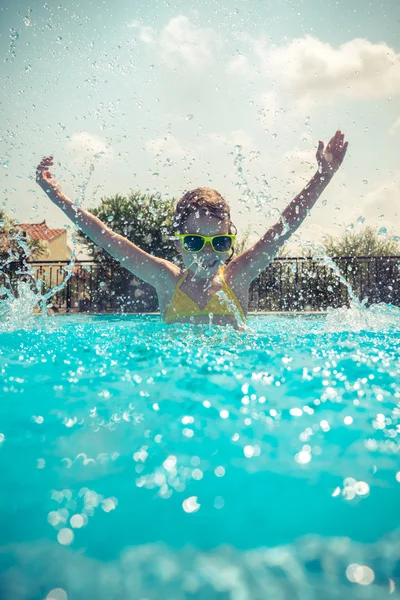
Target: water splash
320,254
357,317
17,306
14,36
231,306
17,312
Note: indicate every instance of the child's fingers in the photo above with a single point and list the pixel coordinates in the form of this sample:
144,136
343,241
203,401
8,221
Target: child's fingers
42,172
42,168
46,161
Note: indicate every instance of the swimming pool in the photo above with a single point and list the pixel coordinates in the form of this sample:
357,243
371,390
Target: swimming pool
142,461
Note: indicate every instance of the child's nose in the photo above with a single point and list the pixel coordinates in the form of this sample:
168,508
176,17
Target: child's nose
208,248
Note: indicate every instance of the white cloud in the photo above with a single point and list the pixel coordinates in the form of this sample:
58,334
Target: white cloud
299,165
237,137
384,200
395,126
180,42
83,145
147,34
238,64
341,206
167,147
270,108
356,69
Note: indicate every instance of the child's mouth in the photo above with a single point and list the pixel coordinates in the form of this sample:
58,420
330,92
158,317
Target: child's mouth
211,265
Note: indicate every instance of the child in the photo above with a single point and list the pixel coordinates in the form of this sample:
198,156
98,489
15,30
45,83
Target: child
206,290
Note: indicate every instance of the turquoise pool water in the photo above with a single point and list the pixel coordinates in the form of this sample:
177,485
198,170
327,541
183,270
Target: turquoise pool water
141,461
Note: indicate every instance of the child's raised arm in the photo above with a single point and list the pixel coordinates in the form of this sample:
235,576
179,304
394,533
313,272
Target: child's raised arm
145,266
248,265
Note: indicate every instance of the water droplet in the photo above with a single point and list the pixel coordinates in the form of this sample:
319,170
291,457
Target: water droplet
77,521
382,231
365,181
169,463
190,505
361,488
361,219
248,451
65,536
109,504
189,117
57,594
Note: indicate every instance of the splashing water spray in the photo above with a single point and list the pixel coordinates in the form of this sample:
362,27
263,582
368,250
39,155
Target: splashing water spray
23,301
357,316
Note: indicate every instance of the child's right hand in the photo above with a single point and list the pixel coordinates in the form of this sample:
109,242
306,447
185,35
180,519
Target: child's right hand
44,177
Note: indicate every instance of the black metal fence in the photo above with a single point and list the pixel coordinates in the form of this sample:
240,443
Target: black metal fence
288,284
301,284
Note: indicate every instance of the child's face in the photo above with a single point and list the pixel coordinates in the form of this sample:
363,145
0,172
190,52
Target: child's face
206,262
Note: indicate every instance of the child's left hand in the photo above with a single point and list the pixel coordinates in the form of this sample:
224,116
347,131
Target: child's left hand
330,159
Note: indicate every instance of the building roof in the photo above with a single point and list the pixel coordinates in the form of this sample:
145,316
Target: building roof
40,231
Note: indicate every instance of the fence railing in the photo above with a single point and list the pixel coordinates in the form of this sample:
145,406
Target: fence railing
288,284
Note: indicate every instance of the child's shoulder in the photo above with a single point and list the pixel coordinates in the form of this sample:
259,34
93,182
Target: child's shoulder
169,276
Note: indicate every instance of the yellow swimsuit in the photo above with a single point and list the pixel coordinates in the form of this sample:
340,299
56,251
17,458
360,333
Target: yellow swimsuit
182,305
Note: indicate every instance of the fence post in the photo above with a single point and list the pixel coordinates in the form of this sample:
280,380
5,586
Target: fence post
68,295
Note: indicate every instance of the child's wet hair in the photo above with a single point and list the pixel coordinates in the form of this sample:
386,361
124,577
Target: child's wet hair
205,200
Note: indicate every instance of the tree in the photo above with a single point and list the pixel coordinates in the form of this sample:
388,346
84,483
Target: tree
144,219
242,242
368,242
376,277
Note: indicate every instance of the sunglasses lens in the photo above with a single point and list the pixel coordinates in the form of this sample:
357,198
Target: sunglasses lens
222,243
193,243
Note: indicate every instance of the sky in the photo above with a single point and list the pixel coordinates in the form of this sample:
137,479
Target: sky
169,96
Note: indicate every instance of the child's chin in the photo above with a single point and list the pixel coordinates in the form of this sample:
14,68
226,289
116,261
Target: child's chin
212,267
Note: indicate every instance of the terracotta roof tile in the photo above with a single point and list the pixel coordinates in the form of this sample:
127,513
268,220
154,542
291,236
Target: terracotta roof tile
40,231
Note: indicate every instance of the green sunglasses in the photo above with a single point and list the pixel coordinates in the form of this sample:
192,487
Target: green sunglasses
193,242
